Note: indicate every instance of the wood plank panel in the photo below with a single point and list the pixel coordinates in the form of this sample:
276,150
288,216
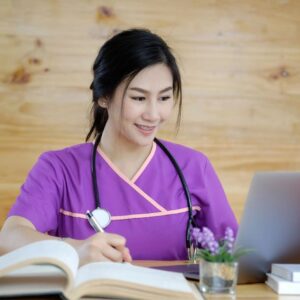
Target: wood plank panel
240,62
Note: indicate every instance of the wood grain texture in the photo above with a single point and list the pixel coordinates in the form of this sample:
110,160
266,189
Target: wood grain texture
240,62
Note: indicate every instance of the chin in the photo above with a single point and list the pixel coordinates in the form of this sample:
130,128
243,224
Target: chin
143,141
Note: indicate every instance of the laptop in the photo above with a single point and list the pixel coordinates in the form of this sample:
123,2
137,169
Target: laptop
270,226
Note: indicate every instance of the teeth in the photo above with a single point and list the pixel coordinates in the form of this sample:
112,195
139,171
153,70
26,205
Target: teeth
145,127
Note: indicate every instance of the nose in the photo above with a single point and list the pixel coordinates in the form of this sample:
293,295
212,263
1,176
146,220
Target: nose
151,112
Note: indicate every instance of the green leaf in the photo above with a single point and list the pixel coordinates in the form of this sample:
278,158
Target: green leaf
240,252
222,256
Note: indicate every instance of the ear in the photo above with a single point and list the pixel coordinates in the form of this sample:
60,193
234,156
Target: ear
102,102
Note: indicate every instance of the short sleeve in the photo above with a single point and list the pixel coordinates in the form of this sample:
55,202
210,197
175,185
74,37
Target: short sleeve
216,213
40,195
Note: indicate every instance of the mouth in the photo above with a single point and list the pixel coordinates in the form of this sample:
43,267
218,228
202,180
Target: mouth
145,129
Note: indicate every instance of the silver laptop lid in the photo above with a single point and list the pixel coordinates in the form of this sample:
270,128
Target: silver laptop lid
270,224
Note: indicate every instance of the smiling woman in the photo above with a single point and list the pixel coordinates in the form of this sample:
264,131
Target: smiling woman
150,192
157,101
135,115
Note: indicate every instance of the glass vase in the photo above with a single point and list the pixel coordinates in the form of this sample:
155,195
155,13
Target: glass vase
218,277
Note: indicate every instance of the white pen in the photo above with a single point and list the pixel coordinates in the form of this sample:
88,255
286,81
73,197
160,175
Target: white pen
92,220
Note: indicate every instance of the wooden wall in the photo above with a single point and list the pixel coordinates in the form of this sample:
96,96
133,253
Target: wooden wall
240,62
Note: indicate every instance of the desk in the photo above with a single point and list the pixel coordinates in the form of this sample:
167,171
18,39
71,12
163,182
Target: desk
244,292
258,291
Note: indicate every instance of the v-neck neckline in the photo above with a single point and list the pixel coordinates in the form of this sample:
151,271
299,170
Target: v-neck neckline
140,170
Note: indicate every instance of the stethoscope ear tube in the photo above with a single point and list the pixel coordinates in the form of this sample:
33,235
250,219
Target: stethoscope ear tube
191,221
94,172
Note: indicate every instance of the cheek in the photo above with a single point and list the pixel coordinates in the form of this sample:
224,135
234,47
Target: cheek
167,111
131,112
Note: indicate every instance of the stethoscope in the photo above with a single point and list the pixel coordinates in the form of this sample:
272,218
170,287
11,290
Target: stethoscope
100,218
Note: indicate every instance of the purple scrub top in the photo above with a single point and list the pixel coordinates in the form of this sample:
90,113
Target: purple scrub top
150,210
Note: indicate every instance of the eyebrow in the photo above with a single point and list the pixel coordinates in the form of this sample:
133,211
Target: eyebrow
147,92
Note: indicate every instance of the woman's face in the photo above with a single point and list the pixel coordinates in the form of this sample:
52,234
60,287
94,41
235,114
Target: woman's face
147,104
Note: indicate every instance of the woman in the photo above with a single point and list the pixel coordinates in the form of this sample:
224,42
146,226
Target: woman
136,85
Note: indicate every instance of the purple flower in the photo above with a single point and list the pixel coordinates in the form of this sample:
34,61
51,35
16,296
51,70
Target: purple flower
207,238
196,236
207,247
229,239
200,238
229,233
194,233
213,247
207,232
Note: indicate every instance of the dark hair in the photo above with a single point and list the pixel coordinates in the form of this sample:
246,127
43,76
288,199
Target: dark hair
123,57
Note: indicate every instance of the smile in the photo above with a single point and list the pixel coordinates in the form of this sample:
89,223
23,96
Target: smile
144,129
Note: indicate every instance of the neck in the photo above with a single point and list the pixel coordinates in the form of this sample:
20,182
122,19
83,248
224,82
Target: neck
123,151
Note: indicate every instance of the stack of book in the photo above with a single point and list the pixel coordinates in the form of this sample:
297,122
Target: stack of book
284,279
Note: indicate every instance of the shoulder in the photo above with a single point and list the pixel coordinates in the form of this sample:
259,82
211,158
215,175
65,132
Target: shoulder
79,149
76,154
182,152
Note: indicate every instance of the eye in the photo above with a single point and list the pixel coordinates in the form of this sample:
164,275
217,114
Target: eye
165,98
138,98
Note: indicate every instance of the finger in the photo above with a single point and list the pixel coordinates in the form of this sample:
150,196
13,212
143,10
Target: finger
112,246
126,255
115,240
112,253
99,239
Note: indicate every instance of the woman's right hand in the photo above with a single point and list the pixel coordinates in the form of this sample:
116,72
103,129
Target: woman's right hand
18,231
101,247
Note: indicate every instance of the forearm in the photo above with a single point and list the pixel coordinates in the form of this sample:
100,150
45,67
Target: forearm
18,232
17,237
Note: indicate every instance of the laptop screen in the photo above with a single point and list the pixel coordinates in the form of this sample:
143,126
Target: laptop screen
270,224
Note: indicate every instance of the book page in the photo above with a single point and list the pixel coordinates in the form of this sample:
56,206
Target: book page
33,280
53,252
132,274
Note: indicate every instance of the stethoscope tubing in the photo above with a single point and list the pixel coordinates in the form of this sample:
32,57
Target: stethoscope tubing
187,194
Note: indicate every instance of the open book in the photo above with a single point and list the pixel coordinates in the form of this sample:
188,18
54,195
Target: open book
51,266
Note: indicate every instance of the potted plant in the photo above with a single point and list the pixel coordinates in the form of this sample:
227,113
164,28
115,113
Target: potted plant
217,259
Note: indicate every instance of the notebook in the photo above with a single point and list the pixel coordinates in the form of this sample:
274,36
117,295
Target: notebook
270,224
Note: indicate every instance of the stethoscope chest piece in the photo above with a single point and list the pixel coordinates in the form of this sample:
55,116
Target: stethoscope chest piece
102,217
